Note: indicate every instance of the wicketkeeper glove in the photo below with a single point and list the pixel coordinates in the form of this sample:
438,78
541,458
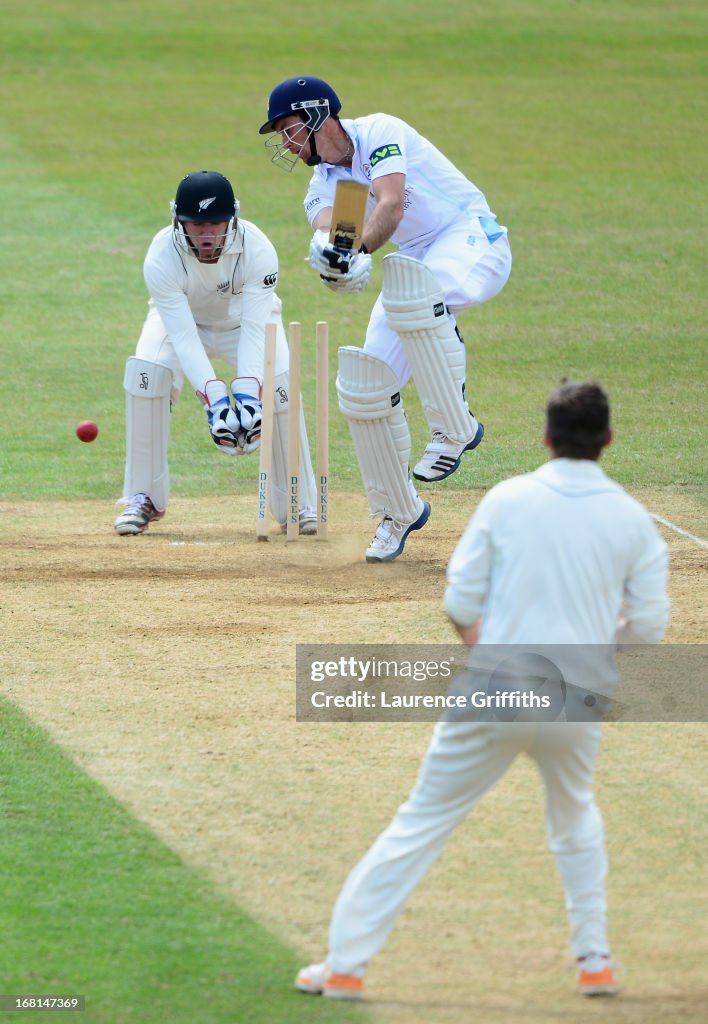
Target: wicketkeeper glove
224,424
249,410
342,270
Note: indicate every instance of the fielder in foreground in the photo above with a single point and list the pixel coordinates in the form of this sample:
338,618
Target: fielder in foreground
453,254
211,277
558,556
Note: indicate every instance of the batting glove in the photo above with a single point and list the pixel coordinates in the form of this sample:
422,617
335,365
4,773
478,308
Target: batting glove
320,241
356,280
223,422
249,410
342,270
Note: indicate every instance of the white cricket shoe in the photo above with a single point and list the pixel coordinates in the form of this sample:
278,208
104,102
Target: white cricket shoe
321,980
308,522
442,456
138,514
390,537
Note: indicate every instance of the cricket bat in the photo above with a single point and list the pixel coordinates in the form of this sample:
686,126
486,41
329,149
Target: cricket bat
348,213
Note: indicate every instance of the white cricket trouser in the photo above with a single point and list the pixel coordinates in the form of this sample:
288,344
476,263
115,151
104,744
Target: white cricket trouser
155,346
470,270
463,761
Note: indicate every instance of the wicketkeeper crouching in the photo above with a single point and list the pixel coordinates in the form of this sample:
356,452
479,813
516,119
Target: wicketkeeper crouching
211,277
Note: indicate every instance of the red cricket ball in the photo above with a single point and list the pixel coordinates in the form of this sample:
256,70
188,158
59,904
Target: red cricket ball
86,430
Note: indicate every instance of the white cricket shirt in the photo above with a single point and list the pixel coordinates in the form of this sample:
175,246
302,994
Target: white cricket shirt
437,194
556,557
234,294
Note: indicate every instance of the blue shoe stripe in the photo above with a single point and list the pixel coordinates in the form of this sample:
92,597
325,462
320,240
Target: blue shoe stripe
476,439
456,462
420,522
417,525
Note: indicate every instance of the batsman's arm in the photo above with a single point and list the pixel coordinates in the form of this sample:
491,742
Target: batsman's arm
322,220
389,191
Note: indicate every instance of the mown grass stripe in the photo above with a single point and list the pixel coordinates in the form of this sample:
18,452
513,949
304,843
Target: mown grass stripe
94,904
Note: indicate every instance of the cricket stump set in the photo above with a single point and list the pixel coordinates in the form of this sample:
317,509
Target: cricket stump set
294,407
348,213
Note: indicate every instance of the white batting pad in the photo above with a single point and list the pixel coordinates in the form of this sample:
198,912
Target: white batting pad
280,489
415,310
370,399
147,430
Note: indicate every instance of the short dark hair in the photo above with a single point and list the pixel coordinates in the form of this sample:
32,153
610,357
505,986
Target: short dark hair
578,419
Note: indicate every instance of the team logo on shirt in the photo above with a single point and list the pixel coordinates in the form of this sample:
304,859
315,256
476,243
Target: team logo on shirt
269,280
223,287
383,152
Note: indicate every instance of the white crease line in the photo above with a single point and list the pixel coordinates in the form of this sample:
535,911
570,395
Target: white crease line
677,529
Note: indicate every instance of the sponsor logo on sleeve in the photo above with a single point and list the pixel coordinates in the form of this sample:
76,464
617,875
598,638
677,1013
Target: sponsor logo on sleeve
312,202
383,152
270,280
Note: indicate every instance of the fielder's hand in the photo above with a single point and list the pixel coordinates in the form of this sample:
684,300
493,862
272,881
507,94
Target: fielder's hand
223,422
249,410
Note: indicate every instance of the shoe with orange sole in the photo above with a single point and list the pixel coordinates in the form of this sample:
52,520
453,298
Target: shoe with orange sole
596,976
321,980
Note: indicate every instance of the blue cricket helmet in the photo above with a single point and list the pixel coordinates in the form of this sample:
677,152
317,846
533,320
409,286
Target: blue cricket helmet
306,95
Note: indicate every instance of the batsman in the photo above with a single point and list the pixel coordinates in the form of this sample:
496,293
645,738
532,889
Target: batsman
211,276
452,254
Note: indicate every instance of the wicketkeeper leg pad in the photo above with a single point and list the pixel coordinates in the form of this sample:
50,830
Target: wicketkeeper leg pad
415,310
280,489
370,399
147,430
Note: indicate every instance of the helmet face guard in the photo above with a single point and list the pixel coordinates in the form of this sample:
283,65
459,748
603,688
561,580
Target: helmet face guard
297,134
221,240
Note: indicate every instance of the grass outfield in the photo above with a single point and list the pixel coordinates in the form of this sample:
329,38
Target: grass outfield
583,124
95,905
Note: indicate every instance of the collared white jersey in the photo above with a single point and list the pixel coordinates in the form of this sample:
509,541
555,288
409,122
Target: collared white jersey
557,556
237,293
437,194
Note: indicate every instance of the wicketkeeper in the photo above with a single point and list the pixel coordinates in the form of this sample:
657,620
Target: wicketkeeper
211,277
452,254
